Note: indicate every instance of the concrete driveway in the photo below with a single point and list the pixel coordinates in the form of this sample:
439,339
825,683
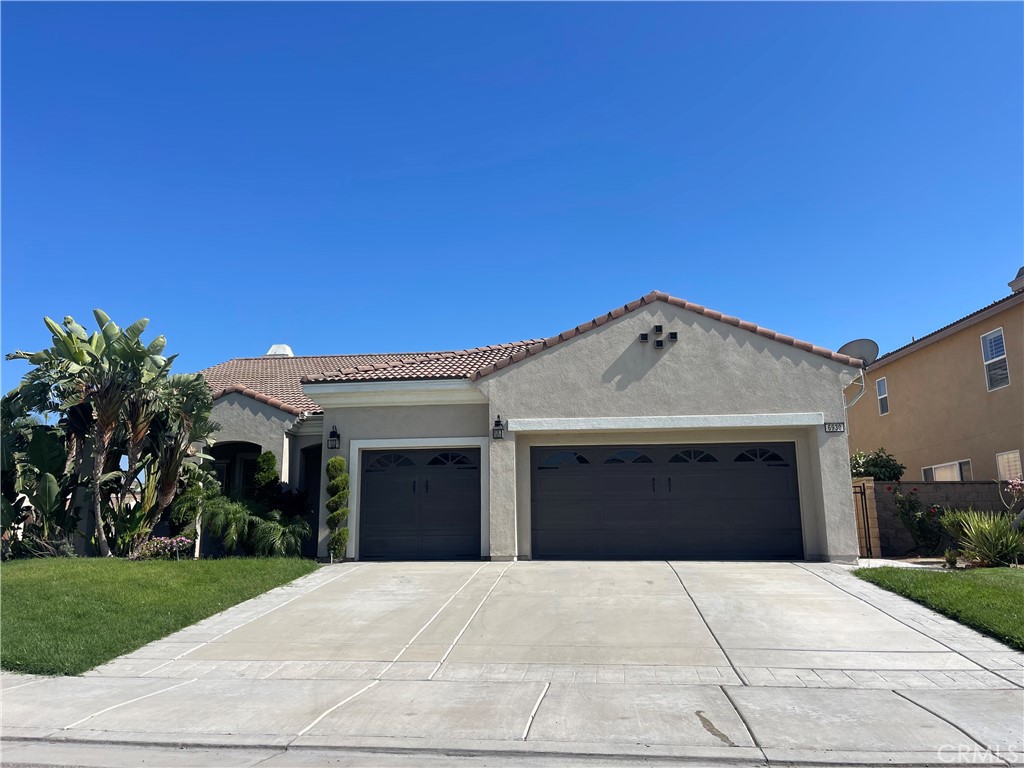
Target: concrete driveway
747,662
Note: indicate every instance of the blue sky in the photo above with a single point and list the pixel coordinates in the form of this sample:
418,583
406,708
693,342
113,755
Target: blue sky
401,177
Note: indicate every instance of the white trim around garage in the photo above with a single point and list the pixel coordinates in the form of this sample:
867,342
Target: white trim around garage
356,447
619,423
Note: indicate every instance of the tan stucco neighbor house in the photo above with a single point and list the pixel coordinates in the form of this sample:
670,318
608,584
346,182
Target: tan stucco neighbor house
950,405
660,430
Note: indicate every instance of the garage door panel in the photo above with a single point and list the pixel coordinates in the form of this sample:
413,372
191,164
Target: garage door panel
450,546
420,505
721,501
393,544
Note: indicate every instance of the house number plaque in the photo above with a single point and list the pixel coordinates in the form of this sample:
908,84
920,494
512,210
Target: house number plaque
835,426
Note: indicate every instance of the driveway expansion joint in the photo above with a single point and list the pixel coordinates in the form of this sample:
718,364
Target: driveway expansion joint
696,607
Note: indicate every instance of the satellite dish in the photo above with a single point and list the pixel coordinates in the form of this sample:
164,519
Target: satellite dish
862,349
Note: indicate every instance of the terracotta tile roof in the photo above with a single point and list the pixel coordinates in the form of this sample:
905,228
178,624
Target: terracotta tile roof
650,298
277,380
458,364
928,338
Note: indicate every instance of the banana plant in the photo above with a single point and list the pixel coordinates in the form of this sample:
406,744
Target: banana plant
101,372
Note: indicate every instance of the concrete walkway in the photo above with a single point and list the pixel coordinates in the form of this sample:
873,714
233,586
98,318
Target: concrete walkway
748,663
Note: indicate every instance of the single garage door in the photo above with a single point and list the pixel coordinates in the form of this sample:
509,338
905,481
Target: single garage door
420,505
718,501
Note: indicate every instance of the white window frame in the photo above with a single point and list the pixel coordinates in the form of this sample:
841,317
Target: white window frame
1007,453
959,471
882,397
987,363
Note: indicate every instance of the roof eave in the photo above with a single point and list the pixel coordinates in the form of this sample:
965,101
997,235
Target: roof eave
238,389
965,322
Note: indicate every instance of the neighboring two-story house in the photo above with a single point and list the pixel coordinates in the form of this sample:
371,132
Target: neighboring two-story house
950,405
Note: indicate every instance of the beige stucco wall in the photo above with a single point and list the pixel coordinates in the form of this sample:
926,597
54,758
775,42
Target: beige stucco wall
940,409
247,420
399,423
714,369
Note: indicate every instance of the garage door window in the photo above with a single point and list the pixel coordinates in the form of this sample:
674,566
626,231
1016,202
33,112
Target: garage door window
558,458
457,459
388,460
628,457
692,455
765,455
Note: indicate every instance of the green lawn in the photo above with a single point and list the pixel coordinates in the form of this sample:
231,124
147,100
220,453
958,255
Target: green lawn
991,600
64,616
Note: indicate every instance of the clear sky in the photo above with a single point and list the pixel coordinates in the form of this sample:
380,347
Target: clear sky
403,177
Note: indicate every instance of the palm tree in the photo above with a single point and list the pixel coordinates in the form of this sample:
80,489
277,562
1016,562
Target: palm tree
180,422
101,372
277,536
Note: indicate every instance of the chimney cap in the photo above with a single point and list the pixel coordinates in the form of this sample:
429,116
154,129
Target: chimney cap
280,350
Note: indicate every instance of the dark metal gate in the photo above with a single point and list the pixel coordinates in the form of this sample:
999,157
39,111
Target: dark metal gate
860,498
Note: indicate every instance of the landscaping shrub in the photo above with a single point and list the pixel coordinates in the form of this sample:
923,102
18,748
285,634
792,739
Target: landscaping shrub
924,523
985,538
878,464
337,506
167,548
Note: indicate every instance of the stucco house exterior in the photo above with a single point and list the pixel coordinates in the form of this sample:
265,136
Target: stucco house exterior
950,405
660,430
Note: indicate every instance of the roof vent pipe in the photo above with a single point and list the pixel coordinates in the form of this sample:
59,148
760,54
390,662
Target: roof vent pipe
280,350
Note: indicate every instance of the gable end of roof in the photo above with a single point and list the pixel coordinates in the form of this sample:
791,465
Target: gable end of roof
259,397
651,298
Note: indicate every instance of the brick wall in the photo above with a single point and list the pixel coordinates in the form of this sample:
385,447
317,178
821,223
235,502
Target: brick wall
894,538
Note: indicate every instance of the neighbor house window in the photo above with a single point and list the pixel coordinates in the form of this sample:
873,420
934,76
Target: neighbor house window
951,472
883,396
1008,465
993,352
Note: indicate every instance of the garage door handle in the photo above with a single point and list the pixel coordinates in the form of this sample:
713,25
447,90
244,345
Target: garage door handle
426,483
654,485
414,486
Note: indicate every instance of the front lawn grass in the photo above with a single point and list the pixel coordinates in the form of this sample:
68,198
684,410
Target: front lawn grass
63,616
991,600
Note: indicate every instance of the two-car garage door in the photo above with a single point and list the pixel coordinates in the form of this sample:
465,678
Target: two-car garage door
717,501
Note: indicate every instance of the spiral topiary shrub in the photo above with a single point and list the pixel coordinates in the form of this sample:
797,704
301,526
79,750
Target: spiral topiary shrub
337,507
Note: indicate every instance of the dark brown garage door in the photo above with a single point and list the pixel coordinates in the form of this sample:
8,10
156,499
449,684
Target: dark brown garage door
718,501
420,505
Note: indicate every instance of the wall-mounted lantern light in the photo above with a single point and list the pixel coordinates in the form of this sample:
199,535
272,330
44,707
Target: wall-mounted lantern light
498,430
659,329
673,336
644,337
333,440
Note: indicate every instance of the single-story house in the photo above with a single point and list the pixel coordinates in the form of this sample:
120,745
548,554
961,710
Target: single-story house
660,430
